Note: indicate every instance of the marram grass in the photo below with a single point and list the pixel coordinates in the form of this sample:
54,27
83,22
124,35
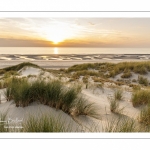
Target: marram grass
53,93
44,123
140,97
118,95
144,116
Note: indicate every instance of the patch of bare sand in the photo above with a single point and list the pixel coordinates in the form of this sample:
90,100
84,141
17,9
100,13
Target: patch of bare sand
37,110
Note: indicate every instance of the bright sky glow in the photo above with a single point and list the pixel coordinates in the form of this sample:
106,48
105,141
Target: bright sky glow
75,32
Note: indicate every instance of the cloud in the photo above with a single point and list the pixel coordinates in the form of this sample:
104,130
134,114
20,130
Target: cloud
5,42
76,32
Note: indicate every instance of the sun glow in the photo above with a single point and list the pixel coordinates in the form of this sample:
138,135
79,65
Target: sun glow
58,33
55,50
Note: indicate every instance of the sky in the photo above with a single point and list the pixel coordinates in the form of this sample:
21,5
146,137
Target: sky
75,32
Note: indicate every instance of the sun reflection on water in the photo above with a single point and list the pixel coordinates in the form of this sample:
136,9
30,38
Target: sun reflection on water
55,50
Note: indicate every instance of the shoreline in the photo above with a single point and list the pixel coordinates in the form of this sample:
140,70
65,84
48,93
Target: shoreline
57,61
58,64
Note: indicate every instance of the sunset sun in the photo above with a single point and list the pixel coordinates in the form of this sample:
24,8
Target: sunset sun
58,33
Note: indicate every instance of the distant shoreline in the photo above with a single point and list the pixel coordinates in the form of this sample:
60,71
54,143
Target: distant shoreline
58,64
57,61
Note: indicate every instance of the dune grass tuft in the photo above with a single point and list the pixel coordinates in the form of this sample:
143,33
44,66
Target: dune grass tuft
114,106
53,93
122,124
2,122
82,107
140,97
143,80
44,123
118,95
114,102
144,116
18,67
126,74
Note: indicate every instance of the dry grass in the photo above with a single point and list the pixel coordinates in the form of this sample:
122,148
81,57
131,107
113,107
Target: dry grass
53,93
44,123
140,97
126,74
143,81
123,124
118,95
144,116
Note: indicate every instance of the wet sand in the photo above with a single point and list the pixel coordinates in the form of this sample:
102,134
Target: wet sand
55,61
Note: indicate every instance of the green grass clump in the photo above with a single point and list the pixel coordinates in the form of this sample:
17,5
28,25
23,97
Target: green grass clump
135,87
1,85
37,91
10,73
137,67
114,106
114,102
19,66
2,71
118,95
134,80
112,74
52,93
85,79
31,76
14,86
122,124
126,74
85,73
101,67
128,67
83,67
68,97
44,123
143,80
140,69
140,97
2,122
82,107
22,95
111,70
97,79
144,116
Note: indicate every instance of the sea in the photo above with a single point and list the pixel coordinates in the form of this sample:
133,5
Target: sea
68,50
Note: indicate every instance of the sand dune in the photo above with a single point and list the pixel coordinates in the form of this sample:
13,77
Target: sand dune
99,93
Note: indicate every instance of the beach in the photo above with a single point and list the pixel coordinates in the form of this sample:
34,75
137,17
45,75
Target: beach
55,61
107,86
